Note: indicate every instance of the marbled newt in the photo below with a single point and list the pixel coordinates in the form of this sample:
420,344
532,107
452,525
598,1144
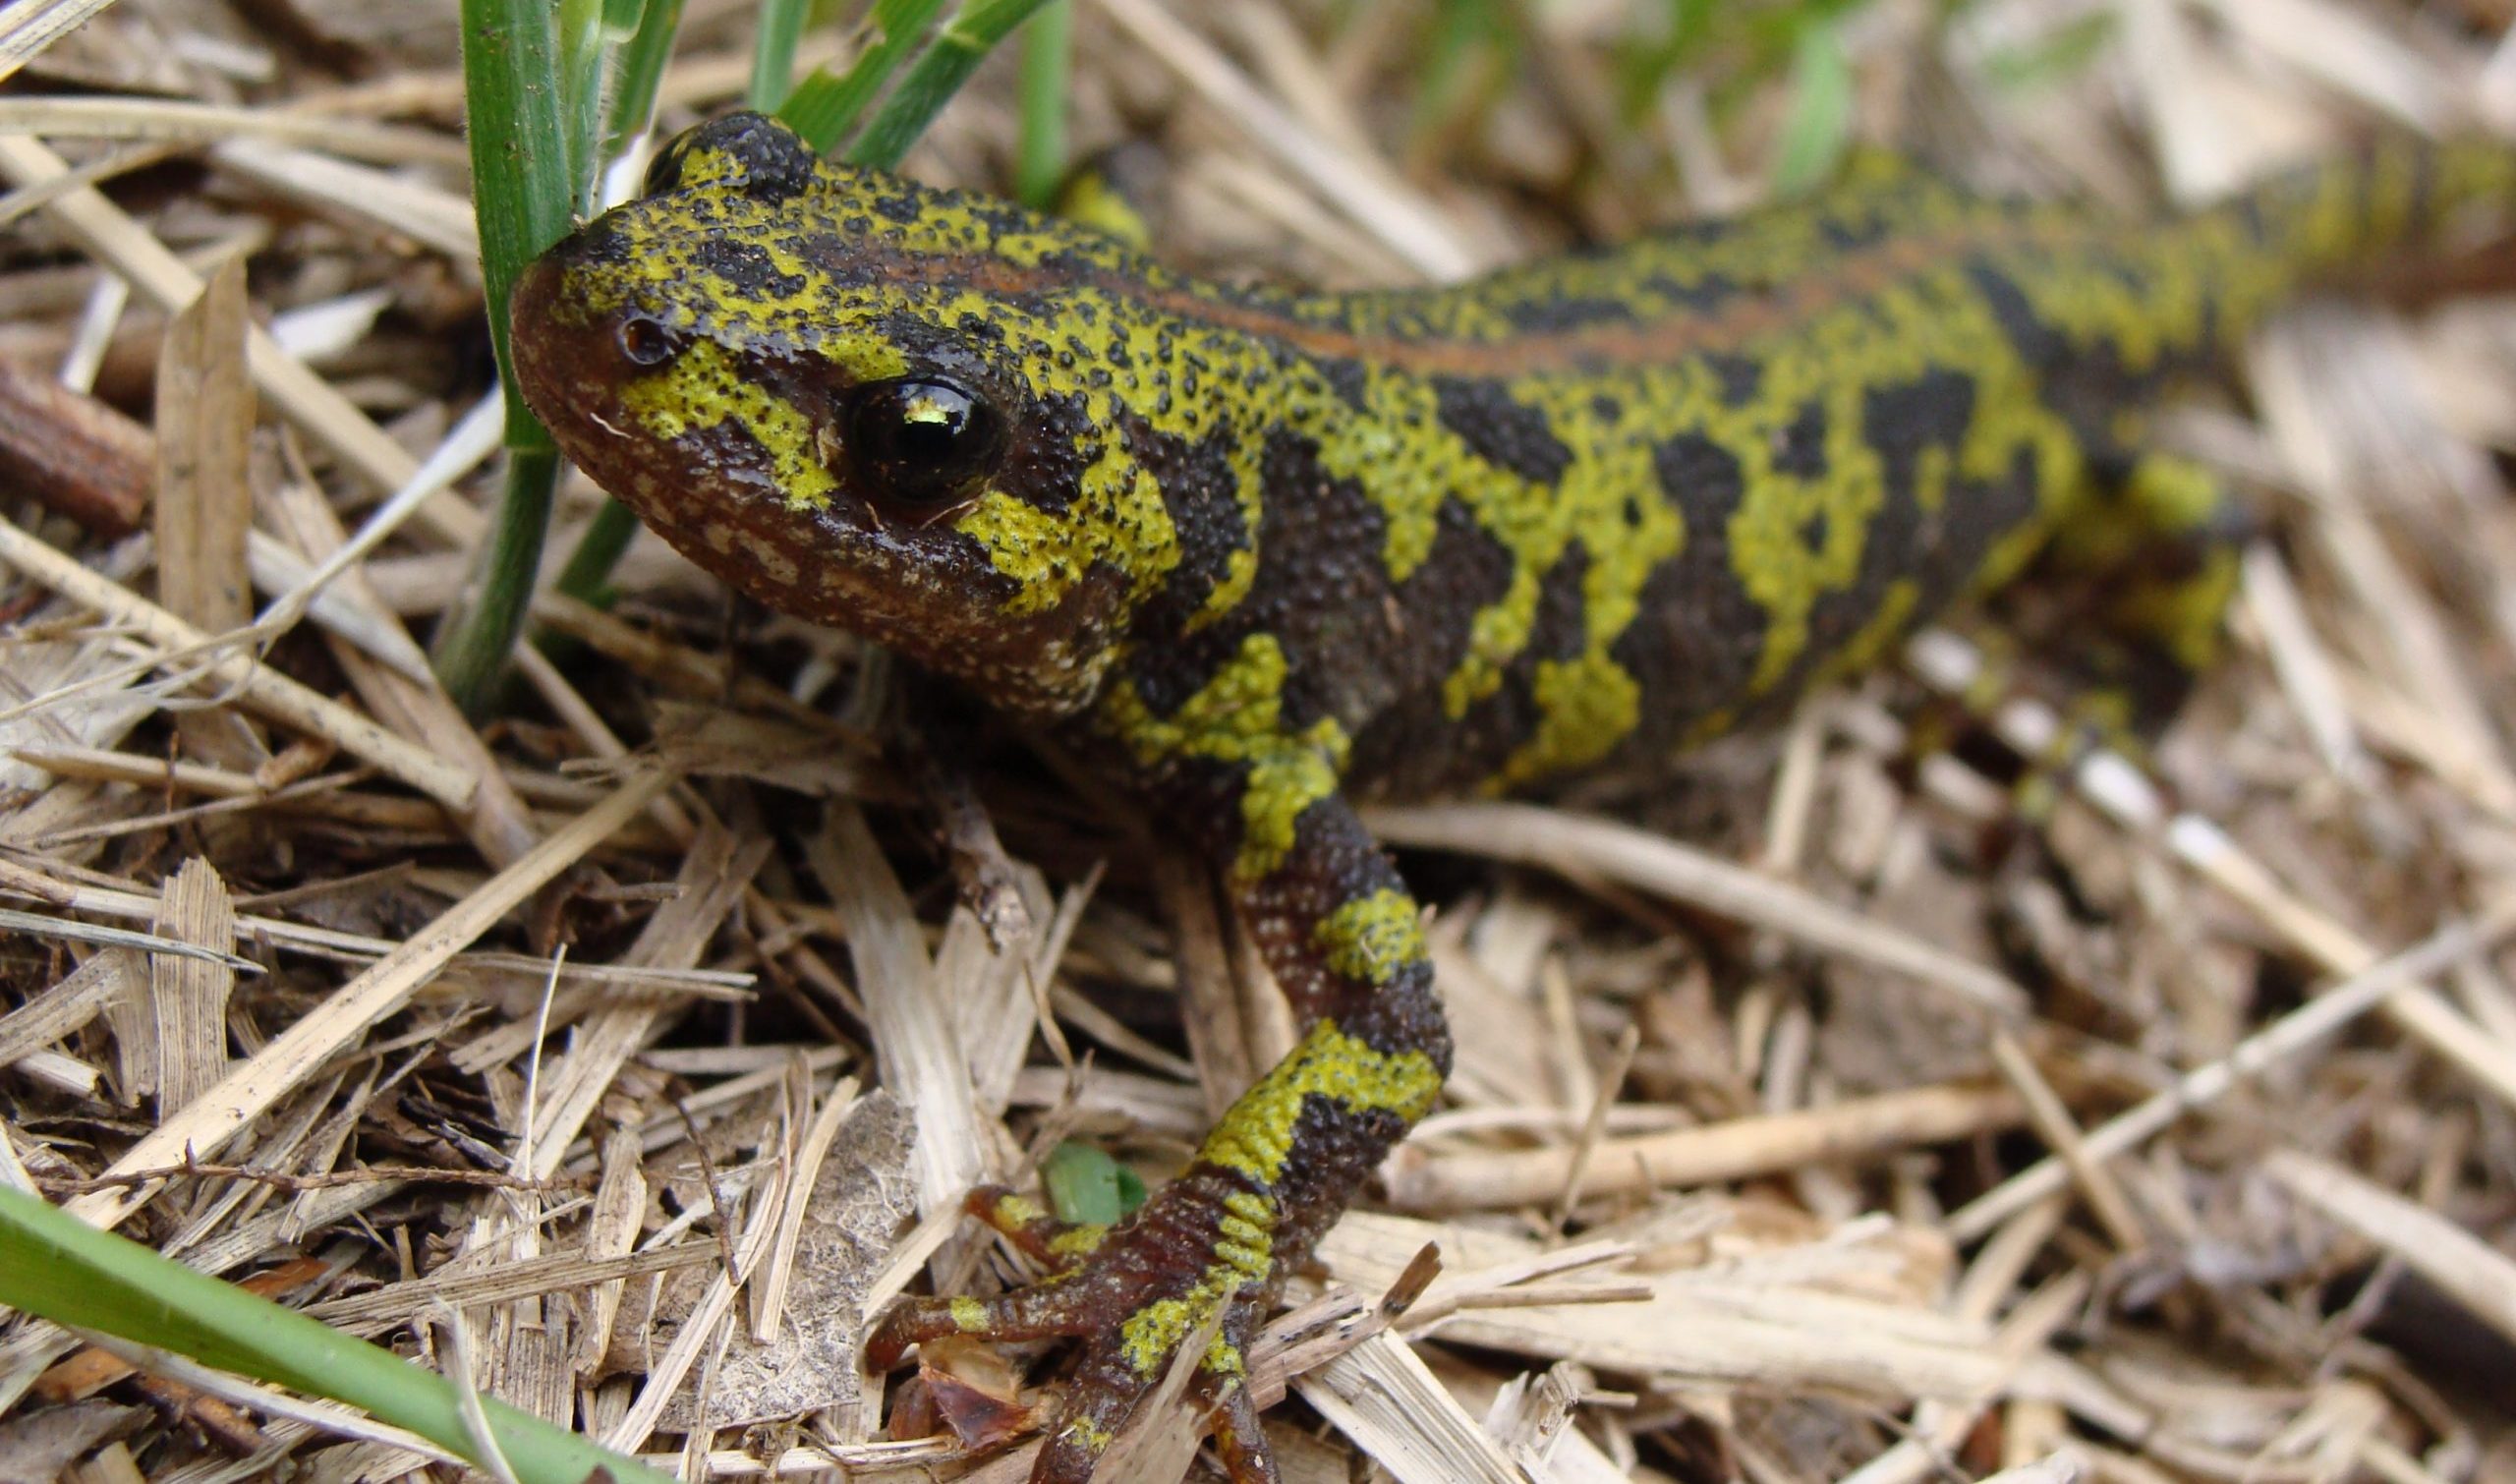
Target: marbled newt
1255,553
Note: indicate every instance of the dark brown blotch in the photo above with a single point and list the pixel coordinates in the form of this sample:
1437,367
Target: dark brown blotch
1501,429
1698,635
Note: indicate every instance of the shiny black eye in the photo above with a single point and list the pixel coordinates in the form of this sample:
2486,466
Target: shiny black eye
921,440
648,342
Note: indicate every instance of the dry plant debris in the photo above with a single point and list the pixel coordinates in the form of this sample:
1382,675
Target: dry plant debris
1819,1117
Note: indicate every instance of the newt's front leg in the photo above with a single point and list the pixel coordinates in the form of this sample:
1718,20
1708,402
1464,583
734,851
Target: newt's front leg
1339,930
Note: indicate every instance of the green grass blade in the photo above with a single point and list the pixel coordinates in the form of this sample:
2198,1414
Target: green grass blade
641,32
2068,51
1465,40
1644,61
532,149
1047,62
640,73
773,52
1819,124
584,54
825,109
471,650
60,1268
643,43
586,577
522,185
937,75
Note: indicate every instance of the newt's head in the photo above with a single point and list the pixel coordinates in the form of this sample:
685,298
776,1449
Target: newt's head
893,408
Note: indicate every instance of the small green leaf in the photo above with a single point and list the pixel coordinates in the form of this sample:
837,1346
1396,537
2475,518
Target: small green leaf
1086,1185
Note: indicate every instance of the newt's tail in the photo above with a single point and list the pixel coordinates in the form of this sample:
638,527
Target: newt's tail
2161,298
2331,220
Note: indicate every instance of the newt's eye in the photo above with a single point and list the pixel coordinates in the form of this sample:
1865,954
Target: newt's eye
921,440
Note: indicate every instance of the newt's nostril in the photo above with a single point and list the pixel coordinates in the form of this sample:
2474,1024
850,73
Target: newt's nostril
648,341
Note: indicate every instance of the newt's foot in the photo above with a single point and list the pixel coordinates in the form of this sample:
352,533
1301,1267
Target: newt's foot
1196,1260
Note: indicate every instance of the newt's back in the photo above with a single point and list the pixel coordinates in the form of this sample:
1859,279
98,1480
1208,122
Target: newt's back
1608,504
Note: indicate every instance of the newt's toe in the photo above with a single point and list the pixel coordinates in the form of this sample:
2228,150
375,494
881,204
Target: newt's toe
1024,1222
1169,1279
1042,1311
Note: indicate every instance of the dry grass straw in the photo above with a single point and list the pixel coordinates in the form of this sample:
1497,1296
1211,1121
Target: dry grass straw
2162,1134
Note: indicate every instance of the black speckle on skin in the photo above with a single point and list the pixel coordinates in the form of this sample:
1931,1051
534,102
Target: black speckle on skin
901,206
1053,442
1699,476
1320,590
840,258
1506,434
776,165
599,243
1200,487
1700,295
1741,377
2087,383
2036,342
1349,380
1799,447
1561,626
1497,724
1940,556
1852,230
1900,421
1322,587
745,267
1466,571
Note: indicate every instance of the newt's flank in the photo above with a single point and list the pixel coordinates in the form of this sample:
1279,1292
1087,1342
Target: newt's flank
1255,554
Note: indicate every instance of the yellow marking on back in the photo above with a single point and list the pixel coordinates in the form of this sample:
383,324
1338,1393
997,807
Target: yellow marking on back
1587,706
